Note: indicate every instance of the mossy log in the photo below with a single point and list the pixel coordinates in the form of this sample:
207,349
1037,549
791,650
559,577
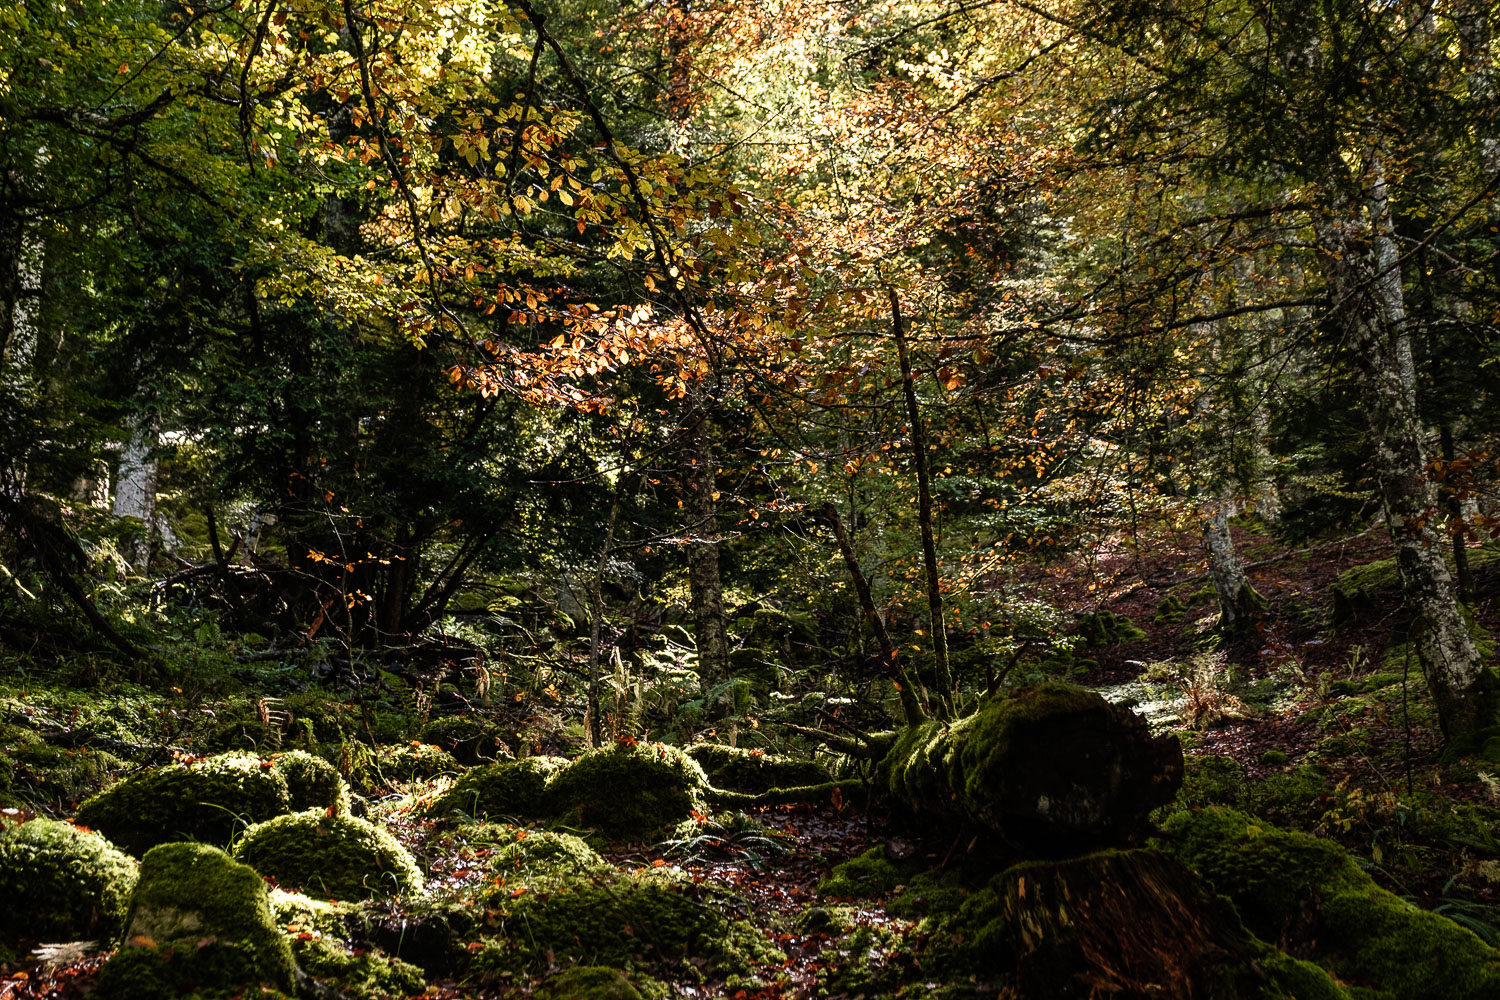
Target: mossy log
1052,769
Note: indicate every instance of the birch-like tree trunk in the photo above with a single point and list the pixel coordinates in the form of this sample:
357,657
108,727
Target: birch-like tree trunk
706,591
1361,261
135,486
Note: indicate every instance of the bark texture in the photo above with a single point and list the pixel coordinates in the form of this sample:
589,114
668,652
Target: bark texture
1363,269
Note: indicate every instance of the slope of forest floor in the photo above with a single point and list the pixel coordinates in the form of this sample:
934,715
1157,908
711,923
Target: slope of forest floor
1316,721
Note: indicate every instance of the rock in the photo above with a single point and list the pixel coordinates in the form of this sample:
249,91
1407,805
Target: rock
1053,769
312,782
513,788
1307,891
208,800
466,738
338,856
754,771
590,982
404,764
198,921
629,791
62,883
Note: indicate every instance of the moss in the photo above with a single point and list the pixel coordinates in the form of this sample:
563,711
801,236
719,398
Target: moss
312,782
516,788
1170,611
1288,884
359,974
198,921
590,982
62,883
468,739
624,922
338,856
629,792
752,770
206,800
1105,628
870,875
1295,797
523,854
1043,766
403,764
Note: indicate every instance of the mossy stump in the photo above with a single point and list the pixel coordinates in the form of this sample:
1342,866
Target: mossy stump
198,921
1052,769
337,856
208,800
62,883
1124,924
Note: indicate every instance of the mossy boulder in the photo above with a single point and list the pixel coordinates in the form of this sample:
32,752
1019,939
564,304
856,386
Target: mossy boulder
870,875
754,771
1170,611
198,922
208,800
1305,890
648,921
356,973
312,782
1105,628
62,883
466,738
404,764
590,982
512,788
1114,923
1052,768
629,791
519,853
338,856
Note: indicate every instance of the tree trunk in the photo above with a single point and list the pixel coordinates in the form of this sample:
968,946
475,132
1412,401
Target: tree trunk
1360,258
706,592
913,696
942,679
135,486
1238,601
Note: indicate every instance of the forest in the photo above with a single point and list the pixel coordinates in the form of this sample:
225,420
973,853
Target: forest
749,499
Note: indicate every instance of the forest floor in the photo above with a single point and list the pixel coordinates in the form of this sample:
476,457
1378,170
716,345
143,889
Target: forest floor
1316,720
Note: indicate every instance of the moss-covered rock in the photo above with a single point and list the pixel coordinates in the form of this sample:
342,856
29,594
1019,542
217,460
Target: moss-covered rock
1105,628
754,771
629,791
1170,611
206,800
312,782
357,973
338,856
198,922
513,788
62,883
870,875
466,738
648,921
403,764
590,982
1296,887
1052,767
520,854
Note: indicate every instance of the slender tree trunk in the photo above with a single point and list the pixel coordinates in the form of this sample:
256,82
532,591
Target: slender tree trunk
706,592
1360,257
1237,598
942,678
1456,507
913,695
596,624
